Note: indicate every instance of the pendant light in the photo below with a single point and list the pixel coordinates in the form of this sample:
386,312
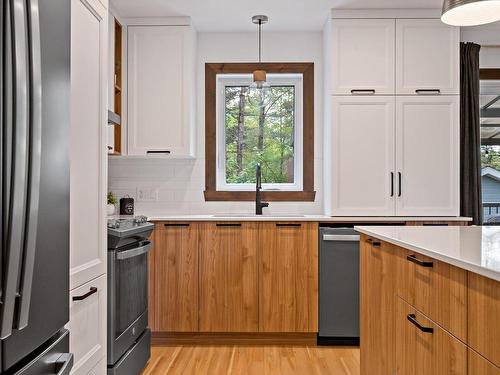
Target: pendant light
259,87
470,12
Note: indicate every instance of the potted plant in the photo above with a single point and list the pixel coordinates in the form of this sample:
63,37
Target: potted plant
111,203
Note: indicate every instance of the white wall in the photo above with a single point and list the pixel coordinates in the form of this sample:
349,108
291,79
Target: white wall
180,183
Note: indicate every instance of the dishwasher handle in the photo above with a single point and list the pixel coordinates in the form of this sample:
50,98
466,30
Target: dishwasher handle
341,237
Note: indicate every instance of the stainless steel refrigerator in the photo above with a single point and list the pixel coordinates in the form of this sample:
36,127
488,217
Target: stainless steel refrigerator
34,280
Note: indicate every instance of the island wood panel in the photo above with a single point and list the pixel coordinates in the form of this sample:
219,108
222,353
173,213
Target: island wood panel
419,352
176,274
484,317
288,277
228,277
377,298
439,291
478,365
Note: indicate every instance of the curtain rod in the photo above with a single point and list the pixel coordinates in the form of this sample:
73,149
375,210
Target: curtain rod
490,45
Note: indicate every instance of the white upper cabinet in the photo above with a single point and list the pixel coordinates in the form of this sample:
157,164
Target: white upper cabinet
427,57
362,156
427,156
363,56
161,90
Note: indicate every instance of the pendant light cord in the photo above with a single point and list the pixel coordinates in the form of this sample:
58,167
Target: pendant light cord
260,41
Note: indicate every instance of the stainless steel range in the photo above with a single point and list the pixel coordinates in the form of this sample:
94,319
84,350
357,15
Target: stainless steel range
129,339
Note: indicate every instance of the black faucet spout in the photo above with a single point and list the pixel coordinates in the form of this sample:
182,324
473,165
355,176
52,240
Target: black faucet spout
258,187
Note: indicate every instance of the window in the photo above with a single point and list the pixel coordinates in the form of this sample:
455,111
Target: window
241,131
490,144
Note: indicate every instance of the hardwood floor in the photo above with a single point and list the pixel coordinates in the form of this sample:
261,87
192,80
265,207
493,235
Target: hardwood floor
250,360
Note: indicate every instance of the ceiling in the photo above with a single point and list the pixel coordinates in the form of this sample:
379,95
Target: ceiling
235,15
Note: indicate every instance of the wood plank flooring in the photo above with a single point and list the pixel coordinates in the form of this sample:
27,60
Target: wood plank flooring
250,360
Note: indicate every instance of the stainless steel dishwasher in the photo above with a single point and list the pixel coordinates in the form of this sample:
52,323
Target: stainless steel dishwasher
338,286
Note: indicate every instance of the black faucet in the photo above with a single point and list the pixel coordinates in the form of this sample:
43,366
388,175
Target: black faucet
258,186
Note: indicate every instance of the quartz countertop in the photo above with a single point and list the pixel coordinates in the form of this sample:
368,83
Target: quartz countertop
473,248
294,217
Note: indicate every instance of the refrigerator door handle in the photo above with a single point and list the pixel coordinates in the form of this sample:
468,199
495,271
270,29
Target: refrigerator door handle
64,364
18,185
35,154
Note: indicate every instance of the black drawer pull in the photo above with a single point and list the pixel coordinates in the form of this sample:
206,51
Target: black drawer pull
428,91
158,152
228,225
288,224
413,320
367,91
92,290
177,225
421,263
373,243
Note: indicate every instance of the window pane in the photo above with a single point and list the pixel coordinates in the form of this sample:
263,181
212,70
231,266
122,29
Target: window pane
257,132
490,150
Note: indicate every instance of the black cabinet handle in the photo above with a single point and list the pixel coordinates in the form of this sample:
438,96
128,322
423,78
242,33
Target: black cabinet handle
373,243
228,225
413,320
399,184
413,259
392,184
92,290
428,91
367,91
158,152
288,224
177,225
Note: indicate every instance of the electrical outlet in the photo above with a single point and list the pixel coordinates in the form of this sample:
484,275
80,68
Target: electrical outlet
147,194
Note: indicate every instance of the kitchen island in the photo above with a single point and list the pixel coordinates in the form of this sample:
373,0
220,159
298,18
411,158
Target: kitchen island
430,300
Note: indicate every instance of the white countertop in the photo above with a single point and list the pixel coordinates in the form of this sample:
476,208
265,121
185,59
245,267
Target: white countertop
278,217
473,248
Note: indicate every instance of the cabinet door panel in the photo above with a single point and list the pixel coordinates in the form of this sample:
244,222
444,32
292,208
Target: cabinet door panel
288,294
427,156
363,156
228,277
363,56
176,275
159,89
480,366
430,353
377,283
427,56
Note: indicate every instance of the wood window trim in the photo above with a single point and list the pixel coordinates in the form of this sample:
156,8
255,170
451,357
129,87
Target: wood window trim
307,193
489,74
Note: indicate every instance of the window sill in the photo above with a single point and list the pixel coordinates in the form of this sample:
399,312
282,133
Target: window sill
270,196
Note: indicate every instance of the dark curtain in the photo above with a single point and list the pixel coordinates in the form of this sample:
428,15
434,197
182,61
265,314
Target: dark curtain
470,136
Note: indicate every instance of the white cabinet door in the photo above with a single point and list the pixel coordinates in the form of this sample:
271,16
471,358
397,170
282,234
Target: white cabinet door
160,77
427,57
87,325
427,155
363,56
362,150
88,141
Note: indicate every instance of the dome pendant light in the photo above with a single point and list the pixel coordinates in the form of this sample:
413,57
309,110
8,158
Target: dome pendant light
470,12
259,87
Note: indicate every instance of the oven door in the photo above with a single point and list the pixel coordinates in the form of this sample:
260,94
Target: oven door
127,297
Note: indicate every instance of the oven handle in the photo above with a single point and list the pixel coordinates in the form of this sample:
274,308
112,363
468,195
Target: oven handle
127,254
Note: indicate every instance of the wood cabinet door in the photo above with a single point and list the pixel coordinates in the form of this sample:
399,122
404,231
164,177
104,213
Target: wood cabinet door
176,277
88,155
427,57
362,127
484,316
422,351
377,277
363,56
427,156
160,90
288,277
478,365
228,277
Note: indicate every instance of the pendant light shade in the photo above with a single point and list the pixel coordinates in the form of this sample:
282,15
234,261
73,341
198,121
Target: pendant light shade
470,12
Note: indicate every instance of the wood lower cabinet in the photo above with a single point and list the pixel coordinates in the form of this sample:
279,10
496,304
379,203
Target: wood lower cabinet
288,277
377,285
175,268
478,365
422,347
229,287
